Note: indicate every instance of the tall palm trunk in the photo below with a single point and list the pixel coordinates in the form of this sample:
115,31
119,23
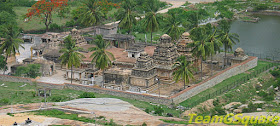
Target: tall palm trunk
6,59
103,77
201,68
211,64
71,73
151,37
184,83
225,59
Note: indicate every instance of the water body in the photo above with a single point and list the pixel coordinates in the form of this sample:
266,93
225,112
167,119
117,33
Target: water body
262,38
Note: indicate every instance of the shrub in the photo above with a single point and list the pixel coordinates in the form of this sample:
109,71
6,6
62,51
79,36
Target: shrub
4,101
144,124
158,110
216,102
147,110
261,7
70,23
57,98
55,27
275,73
219,110
87,95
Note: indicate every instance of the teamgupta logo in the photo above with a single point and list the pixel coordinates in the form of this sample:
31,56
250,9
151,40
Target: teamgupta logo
234,119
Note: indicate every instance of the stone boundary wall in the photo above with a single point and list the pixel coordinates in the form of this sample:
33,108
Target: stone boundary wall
177,98
16,79
212,81
130,95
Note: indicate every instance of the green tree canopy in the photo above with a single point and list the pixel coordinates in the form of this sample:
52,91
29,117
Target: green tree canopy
184,70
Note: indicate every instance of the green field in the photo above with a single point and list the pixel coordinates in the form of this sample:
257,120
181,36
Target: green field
223,84
14,94
35,23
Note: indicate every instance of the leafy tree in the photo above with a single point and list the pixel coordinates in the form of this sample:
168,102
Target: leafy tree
194,17
200,45
70,54
6,18
183,70
172,27
91,13
31,70
100,56
11,44
228,39
44,9
213,39
224,12
127,15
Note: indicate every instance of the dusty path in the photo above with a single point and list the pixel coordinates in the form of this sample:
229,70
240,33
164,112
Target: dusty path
121,112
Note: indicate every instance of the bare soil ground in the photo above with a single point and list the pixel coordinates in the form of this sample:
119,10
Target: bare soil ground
121,112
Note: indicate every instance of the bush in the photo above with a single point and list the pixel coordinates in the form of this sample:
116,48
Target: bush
58,98
87,95
31,70
55,27
147,110
219,110
70,23
261,7
158,110
144,124
275,73
4,101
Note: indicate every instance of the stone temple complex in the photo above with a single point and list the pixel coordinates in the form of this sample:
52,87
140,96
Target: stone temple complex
144,72
182,46
164,57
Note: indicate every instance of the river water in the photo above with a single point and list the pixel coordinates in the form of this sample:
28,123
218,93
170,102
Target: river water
260,39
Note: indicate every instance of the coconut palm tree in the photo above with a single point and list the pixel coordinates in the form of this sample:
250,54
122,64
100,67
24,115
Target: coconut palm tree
71,55
215,43
11,44
127,15
184,70
172,28
100,56
151,23
90,13
152,18
228,39
200,46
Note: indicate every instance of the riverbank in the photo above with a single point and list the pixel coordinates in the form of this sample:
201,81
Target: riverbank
266,12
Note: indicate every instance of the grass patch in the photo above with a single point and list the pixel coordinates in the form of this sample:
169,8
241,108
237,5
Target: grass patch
63,115
35,23
27,94
219,88
174,122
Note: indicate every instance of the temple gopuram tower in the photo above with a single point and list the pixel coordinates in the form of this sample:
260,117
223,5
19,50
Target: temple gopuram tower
182,46
76,35
164,57
144,72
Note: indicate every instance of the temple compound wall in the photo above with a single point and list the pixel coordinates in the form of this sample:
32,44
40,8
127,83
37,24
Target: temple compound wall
250,63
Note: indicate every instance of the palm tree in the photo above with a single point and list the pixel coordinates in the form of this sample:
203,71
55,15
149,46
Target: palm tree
151,23
215,43
100,56
228,39
90,13
151,18
11,44
184,70
126,15
200,45
172,27
71,55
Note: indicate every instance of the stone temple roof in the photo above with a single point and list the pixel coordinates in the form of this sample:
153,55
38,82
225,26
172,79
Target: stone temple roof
165,36
186,34
137,47
239,50
118,37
